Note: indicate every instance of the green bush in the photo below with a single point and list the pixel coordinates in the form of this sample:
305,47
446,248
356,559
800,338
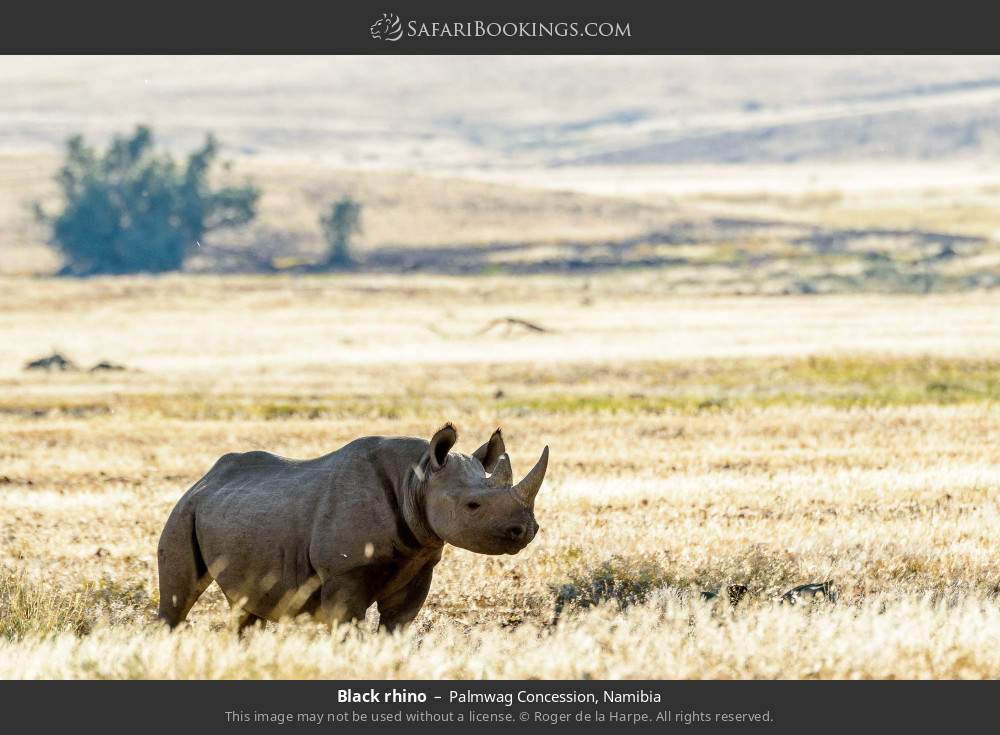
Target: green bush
340,225
623,581
130,210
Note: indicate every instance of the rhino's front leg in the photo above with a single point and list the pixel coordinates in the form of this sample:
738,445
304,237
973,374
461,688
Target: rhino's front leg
402,607
344,598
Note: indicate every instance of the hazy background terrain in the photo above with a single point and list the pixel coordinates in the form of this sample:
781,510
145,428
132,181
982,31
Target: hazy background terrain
563,162
465,112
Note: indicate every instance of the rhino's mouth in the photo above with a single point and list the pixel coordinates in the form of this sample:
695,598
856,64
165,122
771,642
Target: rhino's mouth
496,544
508,545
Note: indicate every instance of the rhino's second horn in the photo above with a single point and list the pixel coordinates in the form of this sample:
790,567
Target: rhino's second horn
503,475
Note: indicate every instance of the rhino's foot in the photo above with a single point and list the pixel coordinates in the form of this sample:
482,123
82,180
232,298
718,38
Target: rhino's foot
248,619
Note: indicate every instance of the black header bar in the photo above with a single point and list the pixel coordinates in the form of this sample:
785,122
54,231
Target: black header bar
513,27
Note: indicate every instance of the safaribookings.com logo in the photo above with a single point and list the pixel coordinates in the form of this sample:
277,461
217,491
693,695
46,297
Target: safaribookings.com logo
390,28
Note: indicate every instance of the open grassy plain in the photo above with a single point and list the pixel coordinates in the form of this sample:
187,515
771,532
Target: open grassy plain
696,442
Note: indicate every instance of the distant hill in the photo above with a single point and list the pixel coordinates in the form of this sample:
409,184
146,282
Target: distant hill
451,113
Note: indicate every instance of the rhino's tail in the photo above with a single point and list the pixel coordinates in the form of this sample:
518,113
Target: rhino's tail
182,569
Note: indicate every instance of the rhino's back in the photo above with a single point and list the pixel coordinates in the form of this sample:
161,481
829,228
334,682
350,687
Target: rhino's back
261,479
275,490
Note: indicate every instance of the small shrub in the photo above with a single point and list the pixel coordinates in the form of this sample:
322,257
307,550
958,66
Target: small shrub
624,581
340,225
36,607
759,567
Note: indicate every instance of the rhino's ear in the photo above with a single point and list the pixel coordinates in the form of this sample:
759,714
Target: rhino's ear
441,444
490,452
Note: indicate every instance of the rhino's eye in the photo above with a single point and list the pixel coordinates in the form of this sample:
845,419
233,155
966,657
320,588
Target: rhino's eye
472,506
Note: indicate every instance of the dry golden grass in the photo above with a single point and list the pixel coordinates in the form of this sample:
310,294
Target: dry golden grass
767,442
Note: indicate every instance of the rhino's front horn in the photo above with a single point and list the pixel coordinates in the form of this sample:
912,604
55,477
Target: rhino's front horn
503,475
527,488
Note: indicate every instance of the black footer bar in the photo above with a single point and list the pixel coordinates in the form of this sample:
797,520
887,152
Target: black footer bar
494,706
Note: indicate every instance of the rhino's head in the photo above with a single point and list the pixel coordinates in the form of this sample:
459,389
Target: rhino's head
471,500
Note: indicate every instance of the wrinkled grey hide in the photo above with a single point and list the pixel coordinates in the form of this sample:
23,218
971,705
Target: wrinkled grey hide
331,536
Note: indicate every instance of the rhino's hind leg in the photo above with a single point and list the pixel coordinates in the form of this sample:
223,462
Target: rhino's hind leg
182,570
343,599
